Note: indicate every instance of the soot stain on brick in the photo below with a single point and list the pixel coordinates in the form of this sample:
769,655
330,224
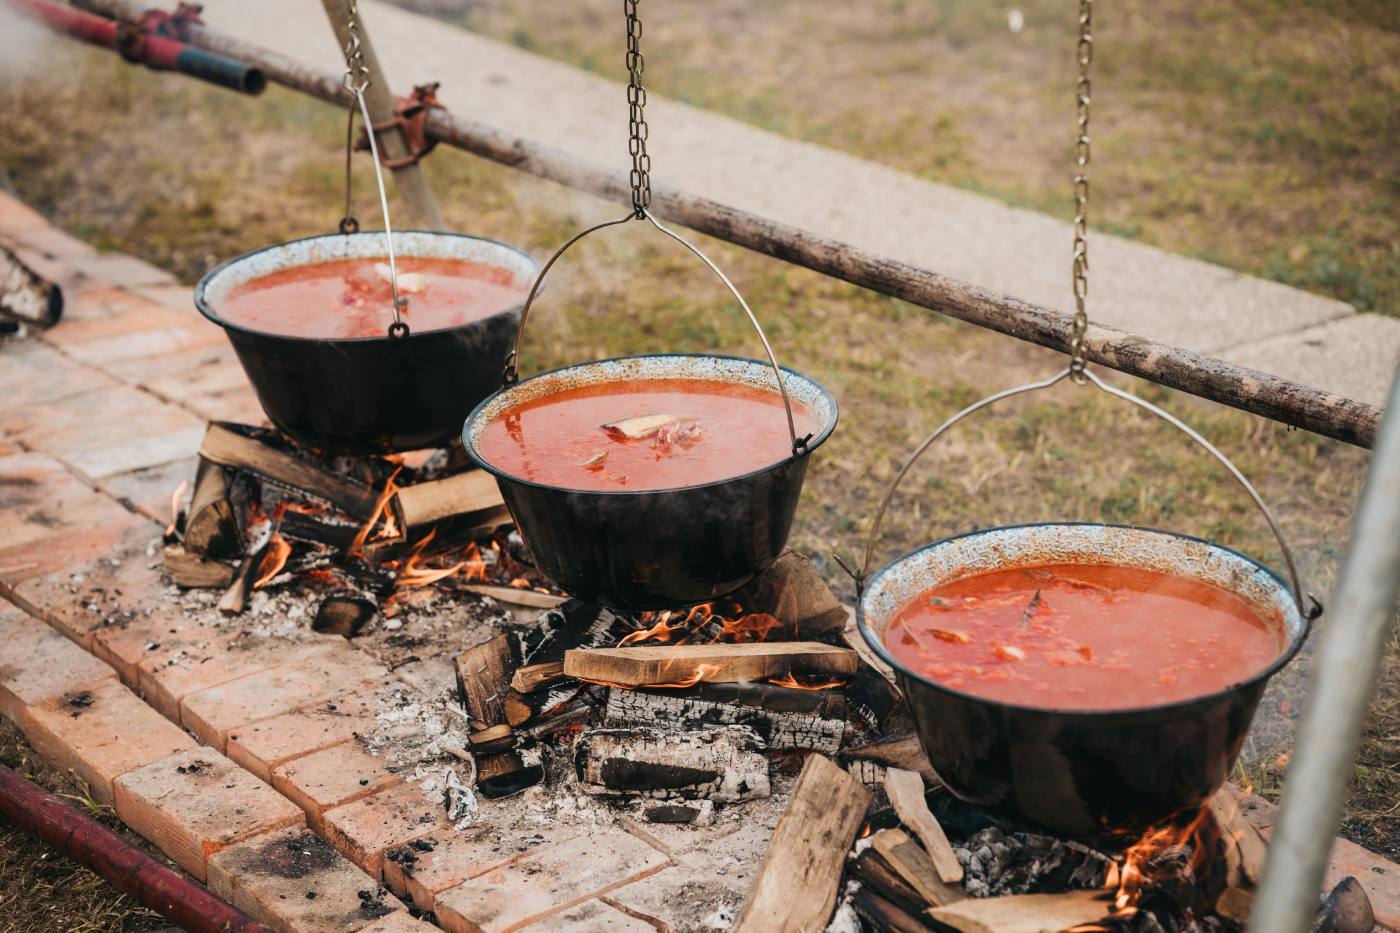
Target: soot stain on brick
302,855
78,702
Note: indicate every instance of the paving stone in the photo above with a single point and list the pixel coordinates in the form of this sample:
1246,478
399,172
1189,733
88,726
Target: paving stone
149,490
313,676
54,243
18,218
100,733
172,673
175,297
400,921
419,871
40,500
161,634
151,369
106,431
293,880
83,598
591,916
262,746
92,301
333,776
363,830
432,677
34,372
38,664
196,802
547,882
239,405
121,270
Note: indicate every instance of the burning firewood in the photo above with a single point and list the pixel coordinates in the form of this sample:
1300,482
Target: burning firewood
906,793
235,598
483,679
915,867
228,446
684,665
466,499
190,571
780,729
1024,913
211,528
797,881
534,677
515,597
723,764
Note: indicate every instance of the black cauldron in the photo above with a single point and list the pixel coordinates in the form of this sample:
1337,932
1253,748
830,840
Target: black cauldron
657,549
371,394
1085,773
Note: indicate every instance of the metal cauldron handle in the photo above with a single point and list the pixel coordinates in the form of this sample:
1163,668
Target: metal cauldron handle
511,375
1298,595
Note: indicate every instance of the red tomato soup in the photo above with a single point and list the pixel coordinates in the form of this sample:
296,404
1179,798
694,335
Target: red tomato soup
642,434
1082,636
353,298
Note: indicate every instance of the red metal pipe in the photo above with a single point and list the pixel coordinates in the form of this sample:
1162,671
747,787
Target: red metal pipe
130,870
76,23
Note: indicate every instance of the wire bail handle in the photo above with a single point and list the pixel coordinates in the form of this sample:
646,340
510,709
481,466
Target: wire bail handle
640,180
356,80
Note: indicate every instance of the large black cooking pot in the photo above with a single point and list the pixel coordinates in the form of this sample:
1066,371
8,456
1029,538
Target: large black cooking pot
1090,774
660,549
371,394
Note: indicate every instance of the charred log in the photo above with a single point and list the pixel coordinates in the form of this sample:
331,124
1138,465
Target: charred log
724,765
779,730
345,614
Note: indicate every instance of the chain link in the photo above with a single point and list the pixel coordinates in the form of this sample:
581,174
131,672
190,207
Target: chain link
636,116
356,73
1084,55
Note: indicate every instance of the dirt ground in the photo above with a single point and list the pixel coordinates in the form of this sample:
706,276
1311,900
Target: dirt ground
184,176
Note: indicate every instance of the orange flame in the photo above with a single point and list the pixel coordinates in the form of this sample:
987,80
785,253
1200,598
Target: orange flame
381,505
278,550
661,631
1131,877
752,627
175,507
788,680
700,673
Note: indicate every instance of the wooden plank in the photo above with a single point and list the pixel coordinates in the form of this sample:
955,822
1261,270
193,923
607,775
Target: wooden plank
1025,913
652,665
914,866
228,448
906,792
515,597
470,495
797,881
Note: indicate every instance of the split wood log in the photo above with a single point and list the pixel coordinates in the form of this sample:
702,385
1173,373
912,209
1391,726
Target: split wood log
571,624
211,528
319,529
226,446
344,614
1273,397
877,701
25,295
794,593
906,792
515,597
885,914
483,680
725,765
874,872
534,677
1024,913
870,773
796,886
914,866
779,730
471,497
905,752
659,665
1242,852
191,571
235,598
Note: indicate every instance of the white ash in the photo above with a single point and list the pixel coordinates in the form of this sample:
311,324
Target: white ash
722,918
997,863
845,920
462,806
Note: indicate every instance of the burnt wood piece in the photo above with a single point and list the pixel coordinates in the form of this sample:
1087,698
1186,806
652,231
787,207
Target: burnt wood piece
797,881
344,614
874,872
483,680
794,593
870,773
25,296
319,529
471,496
913,865
1346,909
655,665
211,528
725,765
878,702
906,792
189,570
225,445
903,752
886,915
571,624
235,598
1242,853
534,677
1024,913
780,730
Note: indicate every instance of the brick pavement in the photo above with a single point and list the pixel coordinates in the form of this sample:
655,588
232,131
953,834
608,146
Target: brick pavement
99,419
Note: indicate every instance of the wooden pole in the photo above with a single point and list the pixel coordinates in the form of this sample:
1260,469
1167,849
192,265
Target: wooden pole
379,97
1250,390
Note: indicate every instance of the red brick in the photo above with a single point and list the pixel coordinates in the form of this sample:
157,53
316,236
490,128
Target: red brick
316,675
153,369
39,664
418,874
590,916
91,301
196,803
156,637
149,490
208,659
364,829
331,777
262,746
101,733
547,882
82,599
111,524
182,333
18,218
35,372
175,297
293,880
55,244
400,921
120,270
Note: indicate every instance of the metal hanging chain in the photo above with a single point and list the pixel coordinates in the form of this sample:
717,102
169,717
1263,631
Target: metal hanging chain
636,113
1084,54
356,81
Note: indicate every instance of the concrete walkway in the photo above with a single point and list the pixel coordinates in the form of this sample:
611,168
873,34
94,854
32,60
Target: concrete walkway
1139,288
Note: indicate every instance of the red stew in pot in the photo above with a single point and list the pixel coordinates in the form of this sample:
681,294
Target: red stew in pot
642,434
1082,636
353,298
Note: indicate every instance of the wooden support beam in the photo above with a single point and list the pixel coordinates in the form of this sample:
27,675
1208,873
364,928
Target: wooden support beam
797,881
1250,390
379,99
659,665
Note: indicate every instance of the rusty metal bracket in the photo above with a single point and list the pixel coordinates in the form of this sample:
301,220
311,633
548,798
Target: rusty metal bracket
174,25
411,119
